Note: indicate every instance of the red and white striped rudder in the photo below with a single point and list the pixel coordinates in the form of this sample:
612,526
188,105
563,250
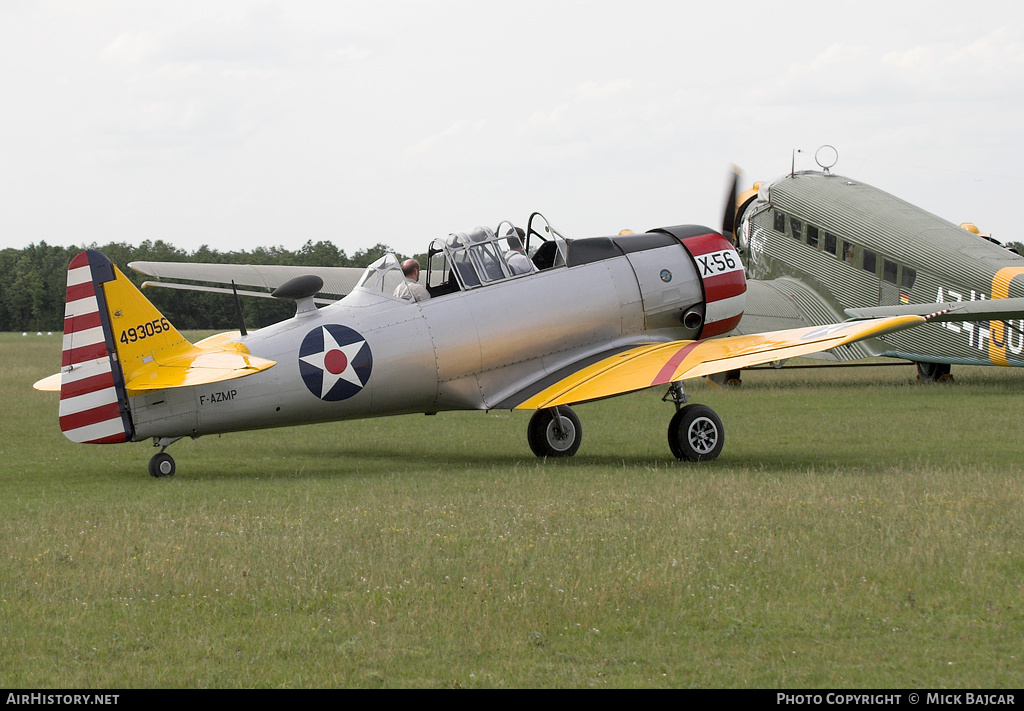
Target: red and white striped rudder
93,399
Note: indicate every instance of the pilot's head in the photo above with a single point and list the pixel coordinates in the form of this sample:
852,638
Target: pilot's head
411,269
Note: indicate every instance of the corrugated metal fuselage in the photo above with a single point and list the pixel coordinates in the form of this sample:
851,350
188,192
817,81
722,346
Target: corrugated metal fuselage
855,246
468,350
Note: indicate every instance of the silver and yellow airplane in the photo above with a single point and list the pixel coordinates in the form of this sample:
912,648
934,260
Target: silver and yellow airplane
583,319
820,247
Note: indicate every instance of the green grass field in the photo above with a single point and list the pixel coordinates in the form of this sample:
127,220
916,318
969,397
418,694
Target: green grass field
858,531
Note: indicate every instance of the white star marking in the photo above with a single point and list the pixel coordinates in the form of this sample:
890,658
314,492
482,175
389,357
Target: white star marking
331,379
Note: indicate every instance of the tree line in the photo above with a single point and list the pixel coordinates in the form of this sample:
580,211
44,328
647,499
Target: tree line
35,280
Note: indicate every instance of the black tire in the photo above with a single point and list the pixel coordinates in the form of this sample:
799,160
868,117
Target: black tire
933,372
547,439
161,465
696,434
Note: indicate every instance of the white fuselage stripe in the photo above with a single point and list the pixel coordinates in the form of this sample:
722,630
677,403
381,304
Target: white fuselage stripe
725,308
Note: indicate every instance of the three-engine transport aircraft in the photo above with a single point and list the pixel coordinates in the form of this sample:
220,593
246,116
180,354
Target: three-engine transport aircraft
819,247
591,318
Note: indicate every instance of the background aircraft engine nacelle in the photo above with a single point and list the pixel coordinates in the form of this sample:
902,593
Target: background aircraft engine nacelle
721,276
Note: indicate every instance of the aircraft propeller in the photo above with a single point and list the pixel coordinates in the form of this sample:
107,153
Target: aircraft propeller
729,213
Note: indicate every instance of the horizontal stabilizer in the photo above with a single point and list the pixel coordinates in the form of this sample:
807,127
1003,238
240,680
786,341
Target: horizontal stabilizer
217,290
337,280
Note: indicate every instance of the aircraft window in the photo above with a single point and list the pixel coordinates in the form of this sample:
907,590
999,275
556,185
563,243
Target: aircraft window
870,261
488,261
780,221
908,278
889,270
830,243
797,226
465,268
848,252
812,235
383,275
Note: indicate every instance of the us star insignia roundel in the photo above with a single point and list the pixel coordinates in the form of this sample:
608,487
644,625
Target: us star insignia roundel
335,362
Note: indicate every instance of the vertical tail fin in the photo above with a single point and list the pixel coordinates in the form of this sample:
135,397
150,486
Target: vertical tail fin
93,401
116,344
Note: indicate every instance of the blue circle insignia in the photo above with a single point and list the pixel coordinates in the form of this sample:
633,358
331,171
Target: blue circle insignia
335,362
666,276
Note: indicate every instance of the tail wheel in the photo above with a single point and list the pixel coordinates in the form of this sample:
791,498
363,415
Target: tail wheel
161,465
554,432
696,434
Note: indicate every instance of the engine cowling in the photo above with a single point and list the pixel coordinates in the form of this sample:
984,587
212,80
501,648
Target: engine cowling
721,275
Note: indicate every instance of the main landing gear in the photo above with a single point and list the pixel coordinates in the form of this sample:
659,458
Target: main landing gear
162,464
695,433
554,432
934,373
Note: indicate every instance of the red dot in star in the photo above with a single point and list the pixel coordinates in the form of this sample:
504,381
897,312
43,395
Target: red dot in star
335,362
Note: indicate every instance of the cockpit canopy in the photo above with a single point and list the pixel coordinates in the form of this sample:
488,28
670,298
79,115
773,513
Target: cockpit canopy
384,275
482,256
475,258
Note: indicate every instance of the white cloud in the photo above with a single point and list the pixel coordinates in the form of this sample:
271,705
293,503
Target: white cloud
245,124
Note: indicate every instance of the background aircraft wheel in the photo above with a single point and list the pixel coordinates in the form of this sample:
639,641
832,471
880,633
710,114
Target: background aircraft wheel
933,372
729,377
161,465
696,434
551,438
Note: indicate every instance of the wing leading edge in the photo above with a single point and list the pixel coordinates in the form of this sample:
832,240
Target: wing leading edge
664,363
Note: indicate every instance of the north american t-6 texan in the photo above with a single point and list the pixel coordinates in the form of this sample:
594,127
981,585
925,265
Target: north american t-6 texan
609,315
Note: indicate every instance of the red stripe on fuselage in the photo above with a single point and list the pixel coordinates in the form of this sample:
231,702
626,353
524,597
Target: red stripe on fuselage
704,244
725,286
717,328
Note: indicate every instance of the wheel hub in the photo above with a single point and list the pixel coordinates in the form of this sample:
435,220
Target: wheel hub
703,435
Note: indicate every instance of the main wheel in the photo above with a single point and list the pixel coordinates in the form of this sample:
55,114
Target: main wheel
696,434
161,465
933,372
554,437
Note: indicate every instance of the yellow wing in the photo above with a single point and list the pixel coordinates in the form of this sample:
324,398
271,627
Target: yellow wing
663,363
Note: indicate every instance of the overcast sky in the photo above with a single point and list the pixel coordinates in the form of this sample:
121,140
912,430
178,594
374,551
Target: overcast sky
242,124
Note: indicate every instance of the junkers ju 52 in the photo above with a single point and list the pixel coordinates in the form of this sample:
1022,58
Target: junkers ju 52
820,247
